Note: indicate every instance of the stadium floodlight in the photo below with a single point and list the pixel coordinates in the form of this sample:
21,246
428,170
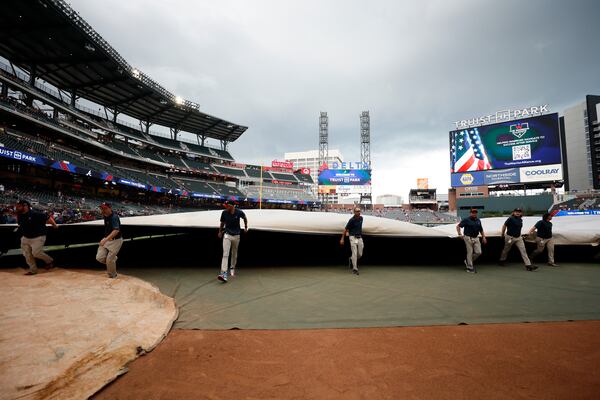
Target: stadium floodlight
178,100
163,101
136,73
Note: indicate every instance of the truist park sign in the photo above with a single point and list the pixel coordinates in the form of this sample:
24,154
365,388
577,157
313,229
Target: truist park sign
501,116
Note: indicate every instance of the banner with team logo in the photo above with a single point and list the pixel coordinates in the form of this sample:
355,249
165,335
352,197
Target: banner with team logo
512,144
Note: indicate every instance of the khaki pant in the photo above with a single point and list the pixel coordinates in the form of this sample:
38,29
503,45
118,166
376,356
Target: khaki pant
230,245
107,254
473,249
547,243
509,241
356,246
33,248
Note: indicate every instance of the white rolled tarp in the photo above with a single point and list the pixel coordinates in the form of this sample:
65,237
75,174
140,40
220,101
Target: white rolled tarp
285,221
567,230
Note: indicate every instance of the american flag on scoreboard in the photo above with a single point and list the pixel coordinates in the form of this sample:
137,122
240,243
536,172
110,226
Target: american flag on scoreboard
468,153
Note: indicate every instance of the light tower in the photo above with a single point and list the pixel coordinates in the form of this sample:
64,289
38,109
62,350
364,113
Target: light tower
323,144
365,151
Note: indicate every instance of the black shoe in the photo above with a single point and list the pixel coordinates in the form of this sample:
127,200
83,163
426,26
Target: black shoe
531,267
501,263
30,272
553,265
471,270
355,272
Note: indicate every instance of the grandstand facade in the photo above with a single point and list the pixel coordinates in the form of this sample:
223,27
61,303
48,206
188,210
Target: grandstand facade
64,93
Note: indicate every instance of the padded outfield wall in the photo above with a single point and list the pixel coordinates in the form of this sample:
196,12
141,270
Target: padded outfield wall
494,206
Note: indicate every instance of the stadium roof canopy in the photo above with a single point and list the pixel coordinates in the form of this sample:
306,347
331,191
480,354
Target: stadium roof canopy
51,39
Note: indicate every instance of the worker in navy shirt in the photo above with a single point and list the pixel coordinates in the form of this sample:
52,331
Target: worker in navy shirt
111,243
32,227
511,233
353,230
544,238
230,231
472,228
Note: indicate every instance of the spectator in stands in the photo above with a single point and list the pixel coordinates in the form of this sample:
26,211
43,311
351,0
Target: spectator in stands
111,242
230,231
353,230
544,238
511,233
472,228
32,227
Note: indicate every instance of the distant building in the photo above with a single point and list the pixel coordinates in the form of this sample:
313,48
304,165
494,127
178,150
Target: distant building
310,159
422,199
580,131
389,200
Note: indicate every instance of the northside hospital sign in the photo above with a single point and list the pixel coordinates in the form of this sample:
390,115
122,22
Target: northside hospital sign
502,116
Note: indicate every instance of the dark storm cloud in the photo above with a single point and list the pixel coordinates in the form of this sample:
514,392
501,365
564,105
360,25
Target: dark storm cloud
417,66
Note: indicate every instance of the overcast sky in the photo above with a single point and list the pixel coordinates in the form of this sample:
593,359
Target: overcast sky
417,66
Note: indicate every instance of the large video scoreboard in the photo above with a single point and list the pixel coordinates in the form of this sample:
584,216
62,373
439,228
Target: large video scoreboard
512,152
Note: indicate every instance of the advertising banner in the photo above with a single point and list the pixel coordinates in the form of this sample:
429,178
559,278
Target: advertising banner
353,189
520,143
564,213
501,176
25,157
422,183
543,173
335,177
475,178
282,164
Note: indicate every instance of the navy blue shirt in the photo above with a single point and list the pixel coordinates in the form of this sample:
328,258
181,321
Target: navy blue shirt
32,224
232,221
354,226
513,226
111,223
544,229
472,226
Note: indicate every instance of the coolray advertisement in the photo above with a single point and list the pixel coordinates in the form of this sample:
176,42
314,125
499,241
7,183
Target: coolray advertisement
336,177
528,142
542,173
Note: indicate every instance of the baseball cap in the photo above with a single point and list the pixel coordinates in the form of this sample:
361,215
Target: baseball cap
229,202
518,209
105,205
474,210
24,202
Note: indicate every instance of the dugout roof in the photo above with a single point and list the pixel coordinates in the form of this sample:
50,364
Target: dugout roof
68,53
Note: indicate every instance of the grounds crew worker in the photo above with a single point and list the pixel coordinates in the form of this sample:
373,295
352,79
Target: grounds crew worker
472,228
32,225
511,233
230,231
111,242
354,230
544,238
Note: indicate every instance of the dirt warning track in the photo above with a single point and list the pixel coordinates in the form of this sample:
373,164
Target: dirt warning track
496,361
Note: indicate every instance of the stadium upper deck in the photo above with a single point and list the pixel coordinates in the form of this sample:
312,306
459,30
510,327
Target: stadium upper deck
54,58
51,42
